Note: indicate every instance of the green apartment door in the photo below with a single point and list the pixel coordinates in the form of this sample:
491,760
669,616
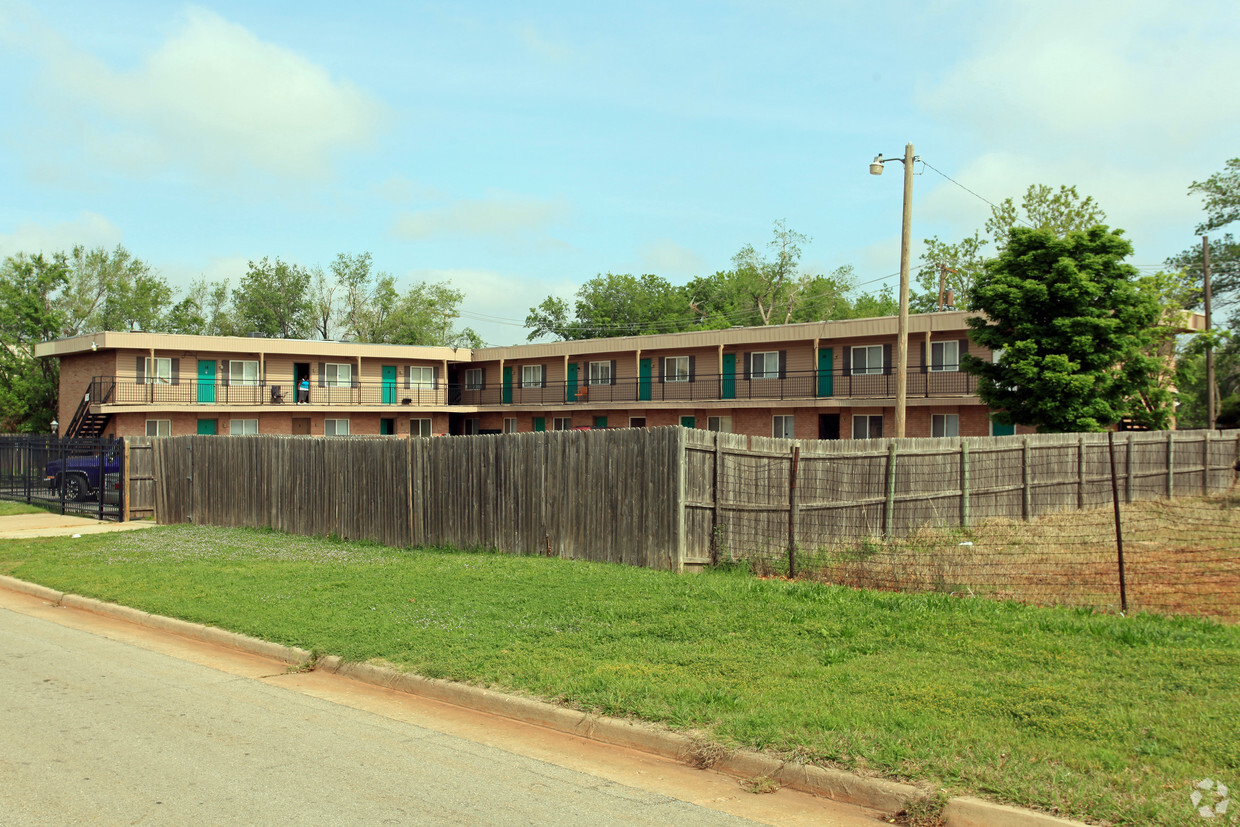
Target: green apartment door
507,393
643,380
570,385
727,382
826,379
540,423
206,382
206,427
389,384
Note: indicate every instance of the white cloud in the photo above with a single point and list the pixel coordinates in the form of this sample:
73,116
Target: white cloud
218,98
89,230
495,304
498,216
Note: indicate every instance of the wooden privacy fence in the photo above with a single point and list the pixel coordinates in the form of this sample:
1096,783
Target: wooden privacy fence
608,495
754,496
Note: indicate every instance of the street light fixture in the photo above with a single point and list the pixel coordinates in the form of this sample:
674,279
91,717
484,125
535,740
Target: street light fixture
901,366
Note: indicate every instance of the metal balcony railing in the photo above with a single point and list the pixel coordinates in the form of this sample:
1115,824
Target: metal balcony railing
702,388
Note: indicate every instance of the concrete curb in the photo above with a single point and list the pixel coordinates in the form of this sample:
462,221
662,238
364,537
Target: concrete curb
874,793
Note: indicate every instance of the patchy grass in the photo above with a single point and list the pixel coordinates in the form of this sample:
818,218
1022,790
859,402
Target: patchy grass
1094,716
8,509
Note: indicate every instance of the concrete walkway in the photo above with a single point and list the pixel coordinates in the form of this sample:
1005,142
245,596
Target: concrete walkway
45,524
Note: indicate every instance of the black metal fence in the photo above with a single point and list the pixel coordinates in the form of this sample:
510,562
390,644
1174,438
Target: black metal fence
69,476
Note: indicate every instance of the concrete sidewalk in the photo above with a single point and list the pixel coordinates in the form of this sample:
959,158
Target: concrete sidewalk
46,524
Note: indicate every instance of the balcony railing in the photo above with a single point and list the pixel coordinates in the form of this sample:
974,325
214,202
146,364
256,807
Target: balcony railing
703,388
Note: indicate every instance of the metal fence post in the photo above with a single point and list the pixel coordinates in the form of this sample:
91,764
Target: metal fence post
964,484
1119,532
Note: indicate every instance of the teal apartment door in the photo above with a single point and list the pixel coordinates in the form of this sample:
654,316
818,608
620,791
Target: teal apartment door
570,385
507,391
688,422
727,382
389,384
540,423
643,380
206,382
826,380
206,427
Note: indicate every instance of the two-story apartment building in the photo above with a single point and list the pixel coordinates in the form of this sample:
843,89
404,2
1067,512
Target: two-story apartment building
820,380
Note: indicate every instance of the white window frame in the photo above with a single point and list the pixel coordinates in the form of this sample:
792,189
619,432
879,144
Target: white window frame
766,372
421,377
951,348
944,425
532,376
162,374
473,379
335,427
242,427
423,427
510,424
338,375
676,369
867,418
600,373
721,424
783,426
562,423
869,369
162,427
243,372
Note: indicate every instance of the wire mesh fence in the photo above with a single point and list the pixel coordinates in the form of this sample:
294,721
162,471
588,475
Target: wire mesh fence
1032,519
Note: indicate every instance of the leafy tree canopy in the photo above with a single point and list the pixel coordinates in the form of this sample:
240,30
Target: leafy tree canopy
1077,331
31,311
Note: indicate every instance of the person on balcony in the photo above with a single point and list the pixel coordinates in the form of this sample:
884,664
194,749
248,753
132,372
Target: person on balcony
303,390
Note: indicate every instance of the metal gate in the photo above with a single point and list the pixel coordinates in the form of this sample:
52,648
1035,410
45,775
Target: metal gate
69,476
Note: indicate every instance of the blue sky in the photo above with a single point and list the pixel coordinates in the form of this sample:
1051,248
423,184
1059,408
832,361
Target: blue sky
517,150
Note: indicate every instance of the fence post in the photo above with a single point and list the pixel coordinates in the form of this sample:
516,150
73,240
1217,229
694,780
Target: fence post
124,475
1128,495
889,512
1119,532
29,466
964,484
1205,463
714,498
64,466
1170,464
103,474
1080,473
1026,505
793,512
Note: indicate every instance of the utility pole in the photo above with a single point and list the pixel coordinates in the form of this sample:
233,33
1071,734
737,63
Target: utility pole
902,328
1205,275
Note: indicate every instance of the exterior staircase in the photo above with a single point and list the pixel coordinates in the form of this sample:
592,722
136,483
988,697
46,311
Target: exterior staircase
88,424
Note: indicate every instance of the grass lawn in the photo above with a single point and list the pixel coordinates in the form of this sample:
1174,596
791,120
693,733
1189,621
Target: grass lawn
1097,717
8,509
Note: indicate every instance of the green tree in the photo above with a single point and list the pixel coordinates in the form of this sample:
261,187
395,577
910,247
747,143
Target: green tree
272,300
206,310
1076,332
1221,194
112,290
424,314
31,311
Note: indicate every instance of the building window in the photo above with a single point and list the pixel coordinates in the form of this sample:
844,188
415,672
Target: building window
867,427
531,376
867,359
600,373
562,423
944,356
510,424
243,372
421,377
161,373
159,427
473,379
637,422
338,376
781,427
764,365
676,369
723,424
945,425
419,427
242,427
473,427
336,427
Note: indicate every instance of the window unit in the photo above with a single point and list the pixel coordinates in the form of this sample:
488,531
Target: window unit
338,376
421,377
867,426
419,427
242,427
600,373
159,427
867,359
510,424
944,356
158,374
473,426
637,422
764,365
562,423
336,427
722,424
243,372
532,376
676,369
473,379
782,427
944,425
